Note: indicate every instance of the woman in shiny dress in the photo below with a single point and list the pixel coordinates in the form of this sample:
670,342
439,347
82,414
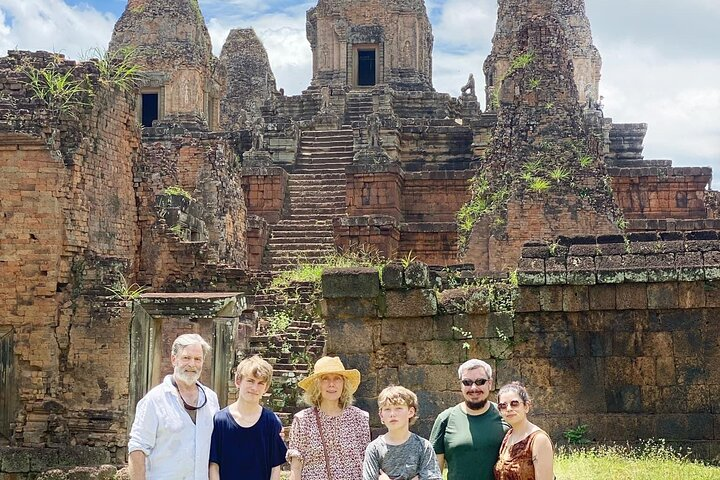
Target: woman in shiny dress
526,452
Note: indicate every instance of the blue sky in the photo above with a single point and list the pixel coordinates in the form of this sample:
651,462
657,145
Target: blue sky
661,58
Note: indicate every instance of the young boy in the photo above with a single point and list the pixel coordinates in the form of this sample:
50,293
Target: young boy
399,454
246,443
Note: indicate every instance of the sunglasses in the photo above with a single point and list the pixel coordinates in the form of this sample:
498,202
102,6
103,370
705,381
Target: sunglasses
469,383
503,405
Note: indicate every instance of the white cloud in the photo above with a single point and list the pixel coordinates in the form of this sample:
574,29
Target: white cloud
54,26
465,23
284,39
674,97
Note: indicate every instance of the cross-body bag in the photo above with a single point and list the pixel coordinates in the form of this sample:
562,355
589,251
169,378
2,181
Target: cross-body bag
324,447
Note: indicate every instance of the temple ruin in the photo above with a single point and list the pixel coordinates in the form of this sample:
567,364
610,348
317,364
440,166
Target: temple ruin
205,181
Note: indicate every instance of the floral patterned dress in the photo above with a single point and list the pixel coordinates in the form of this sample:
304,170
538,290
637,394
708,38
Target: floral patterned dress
515,461
346,437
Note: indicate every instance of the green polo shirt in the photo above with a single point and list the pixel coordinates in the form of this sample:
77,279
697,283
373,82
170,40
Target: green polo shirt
470,443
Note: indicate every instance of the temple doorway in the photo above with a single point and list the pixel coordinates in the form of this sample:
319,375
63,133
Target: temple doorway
366,67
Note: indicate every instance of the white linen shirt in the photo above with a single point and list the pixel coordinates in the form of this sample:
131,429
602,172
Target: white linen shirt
175,447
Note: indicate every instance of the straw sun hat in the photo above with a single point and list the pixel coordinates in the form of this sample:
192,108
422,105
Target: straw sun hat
332,365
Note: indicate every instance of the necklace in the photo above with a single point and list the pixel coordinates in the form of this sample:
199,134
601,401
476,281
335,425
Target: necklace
187,405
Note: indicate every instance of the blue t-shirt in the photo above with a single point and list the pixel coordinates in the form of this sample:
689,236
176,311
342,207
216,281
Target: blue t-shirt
247,453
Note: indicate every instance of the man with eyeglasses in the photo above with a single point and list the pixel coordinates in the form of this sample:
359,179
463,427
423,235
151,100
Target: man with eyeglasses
467,437
170,437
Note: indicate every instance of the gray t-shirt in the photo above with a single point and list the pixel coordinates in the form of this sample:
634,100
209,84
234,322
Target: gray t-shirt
401,462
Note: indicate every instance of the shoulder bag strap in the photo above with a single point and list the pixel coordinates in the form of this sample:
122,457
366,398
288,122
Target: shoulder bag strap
322,440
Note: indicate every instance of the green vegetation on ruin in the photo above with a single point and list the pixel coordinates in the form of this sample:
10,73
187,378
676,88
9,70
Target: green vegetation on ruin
178,191
118,68
64,90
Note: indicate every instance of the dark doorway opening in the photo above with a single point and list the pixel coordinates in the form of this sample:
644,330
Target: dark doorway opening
150,108
366,68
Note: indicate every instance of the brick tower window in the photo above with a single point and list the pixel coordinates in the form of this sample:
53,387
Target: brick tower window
150,106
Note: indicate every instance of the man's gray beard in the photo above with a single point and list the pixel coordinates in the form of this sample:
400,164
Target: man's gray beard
476,405
186,378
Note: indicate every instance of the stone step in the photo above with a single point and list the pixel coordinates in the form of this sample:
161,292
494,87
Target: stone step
329,195
293,237
302,248
321,169
327,133
316,177
335,146
302,223
299,230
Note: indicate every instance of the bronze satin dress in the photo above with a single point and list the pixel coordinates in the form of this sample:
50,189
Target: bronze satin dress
515,462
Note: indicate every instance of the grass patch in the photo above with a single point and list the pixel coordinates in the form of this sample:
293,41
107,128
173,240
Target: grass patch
311,272
651,460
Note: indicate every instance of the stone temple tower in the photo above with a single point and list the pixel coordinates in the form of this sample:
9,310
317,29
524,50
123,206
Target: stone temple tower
584,55
363,43
250,80
173,47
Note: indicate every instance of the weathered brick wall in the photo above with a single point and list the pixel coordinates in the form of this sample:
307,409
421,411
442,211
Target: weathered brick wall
264,190
621,336
661,192
434,243
378,232
375,190
69,227
435,196
533,217
203,164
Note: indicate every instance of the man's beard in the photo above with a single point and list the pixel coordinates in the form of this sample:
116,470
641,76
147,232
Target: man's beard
188,378
476,405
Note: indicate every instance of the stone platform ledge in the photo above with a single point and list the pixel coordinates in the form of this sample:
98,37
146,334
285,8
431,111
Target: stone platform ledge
262,171
428,227
366,221
370,168
671,224
658,171
647,257
440,175
15,460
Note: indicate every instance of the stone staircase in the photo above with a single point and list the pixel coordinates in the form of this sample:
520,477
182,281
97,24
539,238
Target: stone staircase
316,191
358,107
292,354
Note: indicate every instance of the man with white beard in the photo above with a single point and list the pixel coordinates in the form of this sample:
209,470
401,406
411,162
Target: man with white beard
170,437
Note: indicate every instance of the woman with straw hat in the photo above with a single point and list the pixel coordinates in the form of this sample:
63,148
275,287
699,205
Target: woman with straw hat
328,440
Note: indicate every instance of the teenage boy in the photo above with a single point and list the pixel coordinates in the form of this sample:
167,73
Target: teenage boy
246,442
399,454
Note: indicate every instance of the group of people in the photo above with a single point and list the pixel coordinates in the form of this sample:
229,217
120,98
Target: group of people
180,432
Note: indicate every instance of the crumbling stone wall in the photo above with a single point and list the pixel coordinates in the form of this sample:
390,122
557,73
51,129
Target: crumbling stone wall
69,227
205,166
621,335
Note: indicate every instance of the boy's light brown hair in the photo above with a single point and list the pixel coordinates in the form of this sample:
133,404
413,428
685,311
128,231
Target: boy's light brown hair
398,395
256,367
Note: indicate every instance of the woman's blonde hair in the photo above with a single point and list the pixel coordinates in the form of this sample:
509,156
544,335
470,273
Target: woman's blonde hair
313,394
